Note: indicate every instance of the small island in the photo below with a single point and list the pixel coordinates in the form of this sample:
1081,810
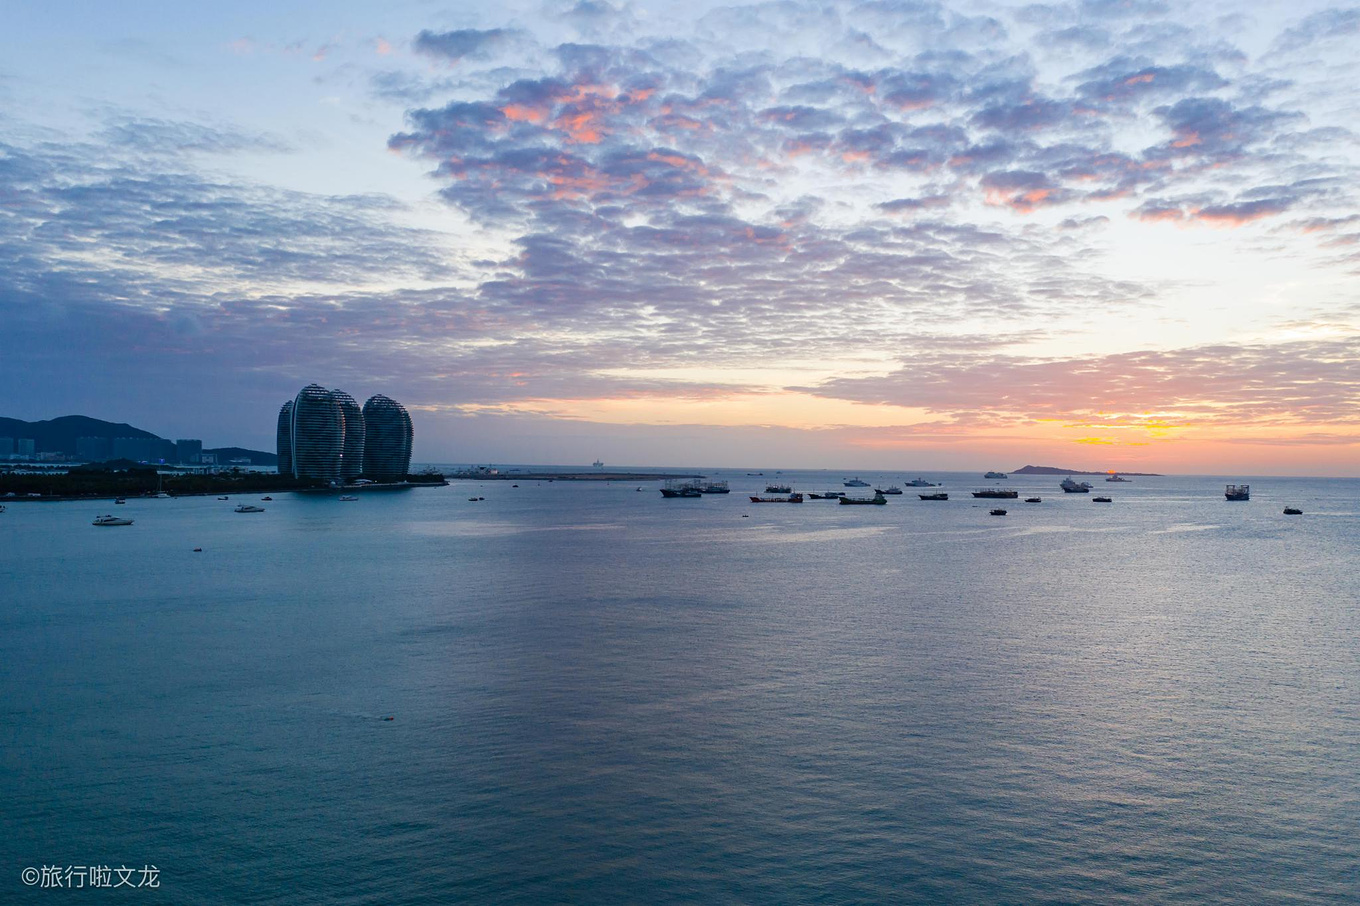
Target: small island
1053,470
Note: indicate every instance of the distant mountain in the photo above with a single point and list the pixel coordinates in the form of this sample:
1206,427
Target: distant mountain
1053,470
58,435
257,457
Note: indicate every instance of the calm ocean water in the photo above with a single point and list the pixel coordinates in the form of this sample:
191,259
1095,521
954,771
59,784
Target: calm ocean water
602,696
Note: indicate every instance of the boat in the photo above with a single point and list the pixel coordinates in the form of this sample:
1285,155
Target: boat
921,483
597,464
876,500
1034,500
996,475
1074,487
2,509
1288,511
996,494
778,489
715,487
1102,500
1237,492
119,500
827,495
933,496
110,520
792,498
681,488
248,508
855,483
221,498
890,490
267,498
348,497
1116,477
998,512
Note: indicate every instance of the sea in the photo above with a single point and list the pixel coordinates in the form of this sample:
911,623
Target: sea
581,692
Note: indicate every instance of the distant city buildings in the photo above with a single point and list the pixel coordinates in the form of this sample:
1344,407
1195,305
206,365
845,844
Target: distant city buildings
189,452
324,434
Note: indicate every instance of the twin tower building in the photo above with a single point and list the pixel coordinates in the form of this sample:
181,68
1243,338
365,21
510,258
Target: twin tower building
324,434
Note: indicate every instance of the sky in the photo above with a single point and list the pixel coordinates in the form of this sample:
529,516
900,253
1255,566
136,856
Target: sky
873,234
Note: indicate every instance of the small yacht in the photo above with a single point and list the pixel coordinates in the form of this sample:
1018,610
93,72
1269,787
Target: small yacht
247,508
110,520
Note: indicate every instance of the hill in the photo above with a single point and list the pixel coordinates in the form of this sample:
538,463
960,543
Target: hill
58,435
257,457
1054,470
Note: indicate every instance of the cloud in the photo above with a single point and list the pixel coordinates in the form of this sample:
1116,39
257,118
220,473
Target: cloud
465,43
1324,25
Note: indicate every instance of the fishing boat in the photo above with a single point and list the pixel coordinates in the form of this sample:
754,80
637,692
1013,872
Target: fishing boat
921,483
890,490
996,494
1101,500
1074,487
715,487
676,487
828,495
110,520
996,475
248,508
1288,511
855,483
778,489
792,498
876,500
933,496
1237,492
1034,500
998,512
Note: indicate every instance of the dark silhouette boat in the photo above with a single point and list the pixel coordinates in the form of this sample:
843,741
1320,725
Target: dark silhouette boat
1237,492
876,500
792,498
996,494
933,496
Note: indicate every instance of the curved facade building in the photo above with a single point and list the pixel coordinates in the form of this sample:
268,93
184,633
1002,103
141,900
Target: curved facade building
352,457
318,435
388,436
284,438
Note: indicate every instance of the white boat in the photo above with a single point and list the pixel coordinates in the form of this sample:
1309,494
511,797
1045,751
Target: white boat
921,483
247,508
995,475
348,497
110,520
1074,487
855,483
